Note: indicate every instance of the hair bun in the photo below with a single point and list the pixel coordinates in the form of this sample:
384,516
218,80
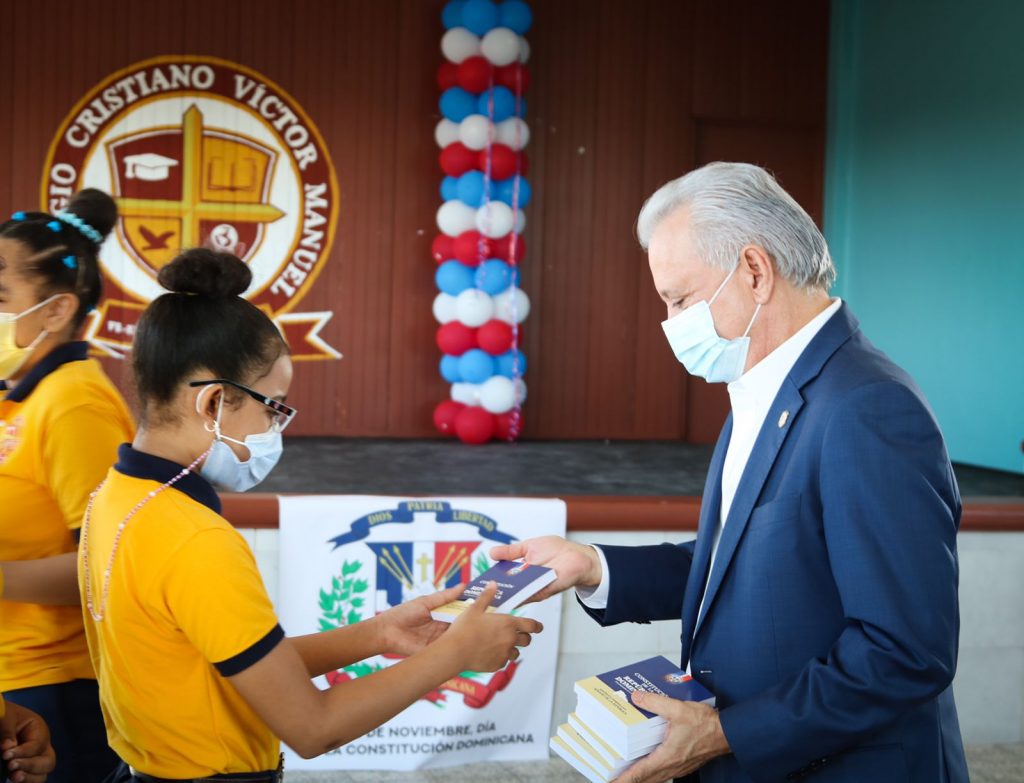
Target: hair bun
207,273
95,208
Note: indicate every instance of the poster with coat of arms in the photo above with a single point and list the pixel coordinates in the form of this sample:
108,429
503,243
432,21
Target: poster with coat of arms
344,559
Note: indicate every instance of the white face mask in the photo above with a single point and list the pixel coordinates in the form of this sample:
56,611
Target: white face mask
697,344
13,357
225,470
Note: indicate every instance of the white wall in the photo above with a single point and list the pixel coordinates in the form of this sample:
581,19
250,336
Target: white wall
989,685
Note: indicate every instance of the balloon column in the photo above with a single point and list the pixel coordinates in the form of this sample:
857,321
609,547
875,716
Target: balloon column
480,307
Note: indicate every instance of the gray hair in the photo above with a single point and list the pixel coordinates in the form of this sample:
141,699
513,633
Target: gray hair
736,204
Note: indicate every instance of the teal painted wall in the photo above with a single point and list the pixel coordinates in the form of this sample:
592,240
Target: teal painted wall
924,205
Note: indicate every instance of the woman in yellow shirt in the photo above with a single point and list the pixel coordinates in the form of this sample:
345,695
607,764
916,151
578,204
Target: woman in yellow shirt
197,679
61,421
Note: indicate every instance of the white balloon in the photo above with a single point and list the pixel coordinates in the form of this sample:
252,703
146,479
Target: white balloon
475,131
454,217
466,393
512,306
444,308
497,394
520,221
446,132
520,386
524,50
512,132
494,219
500,46
459,43
474,307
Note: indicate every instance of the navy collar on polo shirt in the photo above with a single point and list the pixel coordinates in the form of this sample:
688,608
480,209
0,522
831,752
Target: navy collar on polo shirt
138,464
61,355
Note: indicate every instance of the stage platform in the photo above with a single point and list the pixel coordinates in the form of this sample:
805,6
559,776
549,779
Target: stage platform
551,468
607,486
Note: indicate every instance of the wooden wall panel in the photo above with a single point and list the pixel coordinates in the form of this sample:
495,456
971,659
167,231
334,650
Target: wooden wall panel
625,96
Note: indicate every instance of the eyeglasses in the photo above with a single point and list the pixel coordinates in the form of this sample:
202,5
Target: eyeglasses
283,414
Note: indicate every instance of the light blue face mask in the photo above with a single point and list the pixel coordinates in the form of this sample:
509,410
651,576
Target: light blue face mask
226,471
700,348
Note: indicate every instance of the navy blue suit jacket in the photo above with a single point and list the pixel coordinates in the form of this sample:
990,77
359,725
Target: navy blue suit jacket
831,623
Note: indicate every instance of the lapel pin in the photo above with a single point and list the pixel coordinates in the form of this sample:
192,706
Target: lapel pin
783,419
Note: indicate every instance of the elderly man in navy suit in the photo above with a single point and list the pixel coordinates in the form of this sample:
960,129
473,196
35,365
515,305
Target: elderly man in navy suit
819,600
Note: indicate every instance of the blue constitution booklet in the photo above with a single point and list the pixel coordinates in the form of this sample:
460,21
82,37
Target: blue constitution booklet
517,583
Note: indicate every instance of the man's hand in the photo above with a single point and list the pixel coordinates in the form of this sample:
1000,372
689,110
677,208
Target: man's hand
575,565
694,738
408,628
25,745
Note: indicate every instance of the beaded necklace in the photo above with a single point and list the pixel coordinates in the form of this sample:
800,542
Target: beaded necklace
98,615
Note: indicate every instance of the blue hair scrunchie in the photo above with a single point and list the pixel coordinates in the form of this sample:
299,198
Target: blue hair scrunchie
54,226
70,262
84,228
18,216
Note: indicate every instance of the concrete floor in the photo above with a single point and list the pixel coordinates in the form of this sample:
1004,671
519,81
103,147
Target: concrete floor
988,764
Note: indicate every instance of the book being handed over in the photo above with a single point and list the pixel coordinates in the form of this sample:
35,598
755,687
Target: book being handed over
517,583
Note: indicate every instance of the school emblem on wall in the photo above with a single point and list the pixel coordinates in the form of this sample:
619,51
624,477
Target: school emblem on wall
200,151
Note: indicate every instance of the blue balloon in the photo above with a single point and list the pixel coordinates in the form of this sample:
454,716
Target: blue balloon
450,369
471,188
449,188
476,366
506,360
515,15
451,16
453,278
503,191
456,104
504,103
479,16
495,276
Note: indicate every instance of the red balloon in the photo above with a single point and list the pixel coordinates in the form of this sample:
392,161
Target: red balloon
442,248
444,416
508,425
468,247
457,159
455,338
474,425
506,77
502,248
448,75
474,74
495,337
503,161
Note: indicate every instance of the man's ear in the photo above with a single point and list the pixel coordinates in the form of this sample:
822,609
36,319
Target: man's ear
758,271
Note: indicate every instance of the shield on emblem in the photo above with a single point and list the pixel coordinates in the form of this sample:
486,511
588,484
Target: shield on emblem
179,187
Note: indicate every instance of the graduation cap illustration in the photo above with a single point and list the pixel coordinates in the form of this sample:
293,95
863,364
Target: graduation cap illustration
148,166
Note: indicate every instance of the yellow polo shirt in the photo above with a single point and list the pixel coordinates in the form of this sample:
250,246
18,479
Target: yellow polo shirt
59,431
186,608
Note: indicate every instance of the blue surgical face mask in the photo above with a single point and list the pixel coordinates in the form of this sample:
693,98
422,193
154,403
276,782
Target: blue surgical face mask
700,348
226,471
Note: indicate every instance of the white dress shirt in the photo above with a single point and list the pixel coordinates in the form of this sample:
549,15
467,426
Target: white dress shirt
751,397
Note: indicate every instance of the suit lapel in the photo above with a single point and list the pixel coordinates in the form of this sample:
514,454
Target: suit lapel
784,410
777,425
710,509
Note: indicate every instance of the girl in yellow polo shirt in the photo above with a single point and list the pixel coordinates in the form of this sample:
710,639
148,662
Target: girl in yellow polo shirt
61,421
197,679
